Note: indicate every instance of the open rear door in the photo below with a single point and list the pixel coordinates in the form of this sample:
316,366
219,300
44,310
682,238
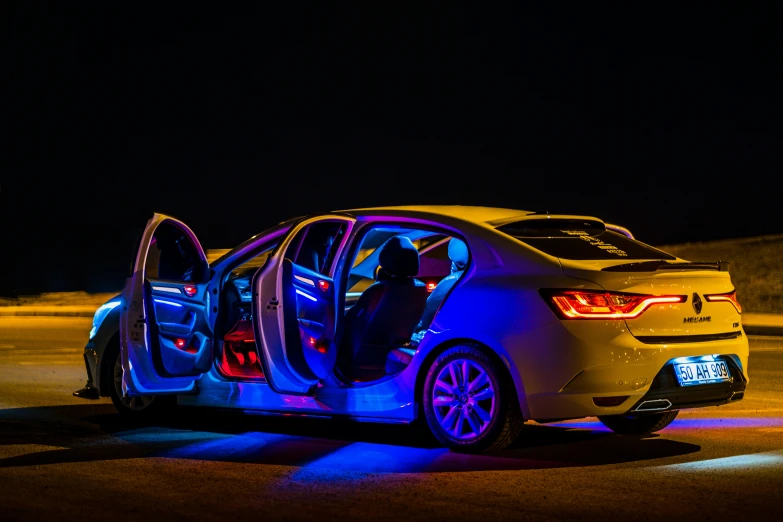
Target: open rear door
294,305
165,335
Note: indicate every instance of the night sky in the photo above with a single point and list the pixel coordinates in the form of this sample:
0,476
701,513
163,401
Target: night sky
665,121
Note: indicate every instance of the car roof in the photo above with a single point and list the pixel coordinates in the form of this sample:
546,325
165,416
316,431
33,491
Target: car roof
476,214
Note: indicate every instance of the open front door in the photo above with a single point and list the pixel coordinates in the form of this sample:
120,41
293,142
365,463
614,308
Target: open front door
294,305
165,333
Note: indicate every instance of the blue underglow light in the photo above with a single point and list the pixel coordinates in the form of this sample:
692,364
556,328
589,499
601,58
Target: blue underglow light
687,423
365,457
724,423
161,435
248,446
306,295
170,303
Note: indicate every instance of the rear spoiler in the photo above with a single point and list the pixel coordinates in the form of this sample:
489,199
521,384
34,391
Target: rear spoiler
653,266
620,230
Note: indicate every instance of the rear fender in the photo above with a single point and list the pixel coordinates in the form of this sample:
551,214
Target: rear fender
433,344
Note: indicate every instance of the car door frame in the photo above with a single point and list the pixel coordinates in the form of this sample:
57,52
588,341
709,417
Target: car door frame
268,310
142,373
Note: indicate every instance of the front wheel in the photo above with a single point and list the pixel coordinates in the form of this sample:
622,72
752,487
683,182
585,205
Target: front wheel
642,425
470,404
139,408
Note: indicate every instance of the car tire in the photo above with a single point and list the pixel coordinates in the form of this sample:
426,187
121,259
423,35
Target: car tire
641,425
136,408
479,412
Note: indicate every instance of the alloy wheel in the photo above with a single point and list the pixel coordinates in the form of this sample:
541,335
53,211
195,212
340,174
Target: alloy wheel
464,399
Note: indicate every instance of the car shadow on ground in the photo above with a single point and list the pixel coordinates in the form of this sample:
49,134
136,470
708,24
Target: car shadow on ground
93,432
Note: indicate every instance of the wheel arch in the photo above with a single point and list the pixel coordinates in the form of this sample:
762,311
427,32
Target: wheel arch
106,365
501,360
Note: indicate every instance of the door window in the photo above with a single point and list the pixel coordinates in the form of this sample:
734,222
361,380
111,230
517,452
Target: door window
172,256
315,246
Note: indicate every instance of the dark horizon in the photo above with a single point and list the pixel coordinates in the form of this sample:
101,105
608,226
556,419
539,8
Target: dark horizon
665,122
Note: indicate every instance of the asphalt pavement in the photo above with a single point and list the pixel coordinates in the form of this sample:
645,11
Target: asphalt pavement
753,323
63,458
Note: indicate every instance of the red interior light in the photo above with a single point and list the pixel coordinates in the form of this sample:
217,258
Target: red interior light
321,346
323,285
180,343
431,287
190,290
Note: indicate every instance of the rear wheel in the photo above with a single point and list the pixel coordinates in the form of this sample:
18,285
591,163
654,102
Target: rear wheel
140,408
642,425
470,405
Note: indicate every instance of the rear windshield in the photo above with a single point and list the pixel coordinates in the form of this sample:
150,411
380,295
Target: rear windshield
580,240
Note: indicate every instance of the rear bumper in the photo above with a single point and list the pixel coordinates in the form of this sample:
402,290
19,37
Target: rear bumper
666,394
564,366
633,383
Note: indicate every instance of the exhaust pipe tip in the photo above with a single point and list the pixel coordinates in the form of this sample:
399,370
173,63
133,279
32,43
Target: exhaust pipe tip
654,405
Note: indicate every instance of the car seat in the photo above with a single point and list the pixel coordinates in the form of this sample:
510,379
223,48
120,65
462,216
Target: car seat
386,314
399,358
458,254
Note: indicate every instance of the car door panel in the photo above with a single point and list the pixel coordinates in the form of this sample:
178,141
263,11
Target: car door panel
295,311
314,297
165,333
183,337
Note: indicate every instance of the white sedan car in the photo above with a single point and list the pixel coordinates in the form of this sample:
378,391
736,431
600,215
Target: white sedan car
466,320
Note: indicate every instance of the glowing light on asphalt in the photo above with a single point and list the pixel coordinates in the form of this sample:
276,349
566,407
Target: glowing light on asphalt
736,463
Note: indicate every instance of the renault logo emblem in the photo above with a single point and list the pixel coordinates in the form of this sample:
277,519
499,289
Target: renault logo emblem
697,304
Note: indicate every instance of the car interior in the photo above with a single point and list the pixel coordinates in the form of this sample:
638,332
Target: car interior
399,278
386,313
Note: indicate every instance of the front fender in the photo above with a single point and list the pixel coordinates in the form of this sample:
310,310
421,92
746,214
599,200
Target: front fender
103,346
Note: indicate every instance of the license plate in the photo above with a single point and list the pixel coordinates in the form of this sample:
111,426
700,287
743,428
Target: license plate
690,374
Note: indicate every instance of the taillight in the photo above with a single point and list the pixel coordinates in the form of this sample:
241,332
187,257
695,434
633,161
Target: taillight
586,304
728,296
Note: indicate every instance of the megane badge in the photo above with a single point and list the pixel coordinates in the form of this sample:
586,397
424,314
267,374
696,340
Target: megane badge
697,304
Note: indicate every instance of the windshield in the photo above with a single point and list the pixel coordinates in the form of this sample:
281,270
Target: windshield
285,225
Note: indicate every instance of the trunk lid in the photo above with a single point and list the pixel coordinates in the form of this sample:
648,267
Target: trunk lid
696,316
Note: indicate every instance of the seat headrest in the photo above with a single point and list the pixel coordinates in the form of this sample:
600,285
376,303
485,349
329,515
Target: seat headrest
381,274
399,257
458,253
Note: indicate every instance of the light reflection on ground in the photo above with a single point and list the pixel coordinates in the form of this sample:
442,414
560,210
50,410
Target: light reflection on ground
323,459
687,423
735,463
